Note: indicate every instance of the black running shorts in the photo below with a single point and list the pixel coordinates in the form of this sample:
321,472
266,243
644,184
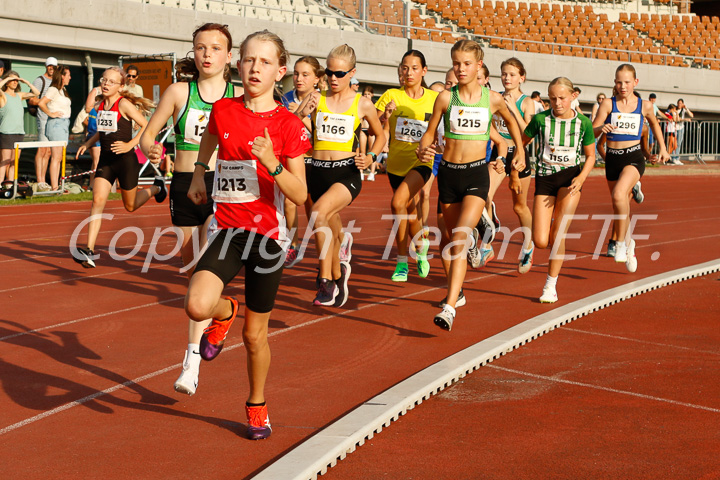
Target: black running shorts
551,184
183,212
508,161
396,180
231,250
124,168
457,180
326,173
617,159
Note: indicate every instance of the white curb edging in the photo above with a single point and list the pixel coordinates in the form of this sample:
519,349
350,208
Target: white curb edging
327,447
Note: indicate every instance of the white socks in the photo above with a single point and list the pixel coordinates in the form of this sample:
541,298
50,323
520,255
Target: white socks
551,281
450,309
402,259
193,355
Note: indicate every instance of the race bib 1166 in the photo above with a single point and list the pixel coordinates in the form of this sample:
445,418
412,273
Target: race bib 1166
334,127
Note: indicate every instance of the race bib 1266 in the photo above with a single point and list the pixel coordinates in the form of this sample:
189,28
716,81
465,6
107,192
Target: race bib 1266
409,130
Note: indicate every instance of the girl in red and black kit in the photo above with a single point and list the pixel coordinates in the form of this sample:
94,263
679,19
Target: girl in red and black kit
260,162
117,109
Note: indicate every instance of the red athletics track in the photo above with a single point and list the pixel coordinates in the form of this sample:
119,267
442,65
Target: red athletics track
71,338
627,392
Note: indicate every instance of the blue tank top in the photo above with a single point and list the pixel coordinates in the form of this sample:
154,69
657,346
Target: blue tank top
628,126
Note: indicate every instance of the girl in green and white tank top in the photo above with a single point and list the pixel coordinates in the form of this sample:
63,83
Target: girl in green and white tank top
189,105
462,177
564,136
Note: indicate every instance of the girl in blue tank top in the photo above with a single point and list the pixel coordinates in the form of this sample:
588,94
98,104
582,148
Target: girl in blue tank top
621,119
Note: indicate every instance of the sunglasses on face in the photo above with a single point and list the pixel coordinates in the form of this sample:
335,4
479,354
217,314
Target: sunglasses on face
337,74
131,76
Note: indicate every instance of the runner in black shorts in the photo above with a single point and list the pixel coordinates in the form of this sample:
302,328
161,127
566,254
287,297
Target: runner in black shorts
564,136
189,104
406,112
116,112
621,119
259,164
335,119
466,111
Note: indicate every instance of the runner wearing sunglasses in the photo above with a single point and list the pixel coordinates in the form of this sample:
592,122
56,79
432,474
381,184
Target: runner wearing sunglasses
335,119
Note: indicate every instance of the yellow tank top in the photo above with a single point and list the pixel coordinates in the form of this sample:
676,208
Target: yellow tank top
336,131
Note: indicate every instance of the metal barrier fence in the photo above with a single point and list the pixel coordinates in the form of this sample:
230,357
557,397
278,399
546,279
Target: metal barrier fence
695,141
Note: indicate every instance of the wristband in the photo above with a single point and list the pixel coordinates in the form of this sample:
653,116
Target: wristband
201,164
373,155
277,171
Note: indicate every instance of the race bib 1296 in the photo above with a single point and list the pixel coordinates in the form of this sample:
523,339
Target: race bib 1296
626,123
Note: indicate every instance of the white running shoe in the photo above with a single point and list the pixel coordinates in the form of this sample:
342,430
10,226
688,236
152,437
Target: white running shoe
549,295
188,380
631,263
371,177
473,253
488,227
460,301
637,193
620,254
444,320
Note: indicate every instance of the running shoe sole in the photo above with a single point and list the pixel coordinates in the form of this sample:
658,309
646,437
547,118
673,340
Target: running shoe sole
444,320
343,294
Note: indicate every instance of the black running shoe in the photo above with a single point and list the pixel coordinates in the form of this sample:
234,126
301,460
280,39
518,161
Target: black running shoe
85,257
162,194
327,293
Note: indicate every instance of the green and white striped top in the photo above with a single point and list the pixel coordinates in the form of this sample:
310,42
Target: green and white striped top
561,140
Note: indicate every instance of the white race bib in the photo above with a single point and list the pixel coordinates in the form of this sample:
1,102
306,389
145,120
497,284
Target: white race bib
195,123
563,156
236,181
107,121
501,126
626,123
410,130
469,120
334,127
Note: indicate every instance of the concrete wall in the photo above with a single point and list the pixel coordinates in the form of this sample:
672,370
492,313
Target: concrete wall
33,29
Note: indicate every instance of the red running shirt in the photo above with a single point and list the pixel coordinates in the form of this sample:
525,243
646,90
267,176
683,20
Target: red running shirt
246,195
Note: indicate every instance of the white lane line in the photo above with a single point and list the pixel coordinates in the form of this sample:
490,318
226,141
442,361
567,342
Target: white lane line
644,342
99,315
604,389
148,376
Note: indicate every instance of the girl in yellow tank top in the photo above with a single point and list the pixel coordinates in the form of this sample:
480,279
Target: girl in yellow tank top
407,111
335,118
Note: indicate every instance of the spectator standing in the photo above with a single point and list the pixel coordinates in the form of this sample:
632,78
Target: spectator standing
2,68
11,119
355,84
56,105
42,156
600,99
575,105
670,130
132,75
656,111
539,107
682,113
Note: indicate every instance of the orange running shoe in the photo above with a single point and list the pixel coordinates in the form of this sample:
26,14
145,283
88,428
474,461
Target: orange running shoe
213,338
258,422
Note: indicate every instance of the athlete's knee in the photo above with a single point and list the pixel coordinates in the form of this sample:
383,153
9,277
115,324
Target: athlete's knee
398,205
619,196
541,241
520,208
130,207
197,308
255,338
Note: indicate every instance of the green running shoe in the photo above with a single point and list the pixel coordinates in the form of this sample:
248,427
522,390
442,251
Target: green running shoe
401,272
423,267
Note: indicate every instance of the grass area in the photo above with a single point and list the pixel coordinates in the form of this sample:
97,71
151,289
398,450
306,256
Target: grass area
68,197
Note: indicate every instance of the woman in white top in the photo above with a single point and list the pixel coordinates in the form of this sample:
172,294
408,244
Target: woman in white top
56,105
